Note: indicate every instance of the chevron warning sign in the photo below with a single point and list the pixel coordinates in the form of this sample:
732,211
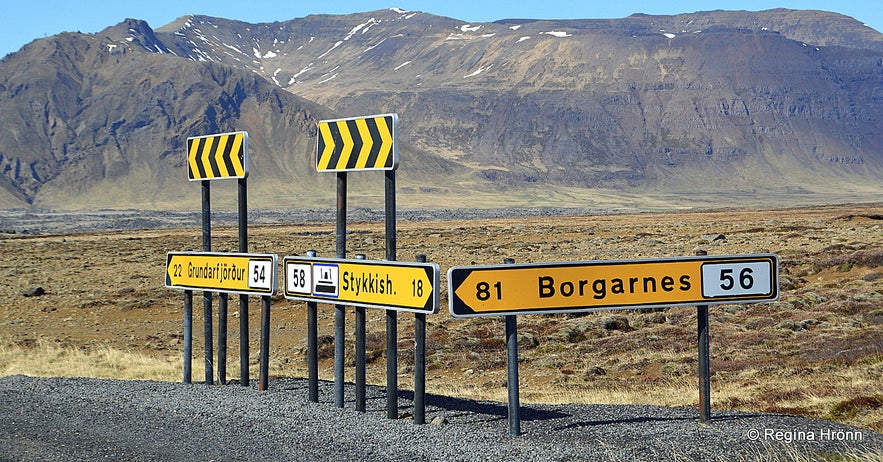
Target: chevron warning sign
358,143
214,157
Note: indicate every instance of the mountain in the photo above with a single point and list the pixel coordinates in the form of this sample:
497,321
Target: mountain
718,107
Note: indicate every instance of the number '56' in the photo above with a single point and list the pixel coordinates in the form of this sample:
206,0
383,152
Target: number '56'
728,282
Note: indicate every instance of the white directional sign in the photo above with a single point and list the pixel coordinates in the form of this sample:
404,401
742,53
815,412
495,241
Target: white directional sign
603,285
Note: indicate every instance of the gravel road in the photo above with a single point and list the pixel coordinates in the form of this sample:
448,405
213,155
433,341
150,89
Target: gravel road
62,419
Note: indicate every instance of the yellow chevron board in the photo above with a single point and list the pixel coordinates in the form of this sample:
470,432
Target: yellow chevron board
214,157
357,143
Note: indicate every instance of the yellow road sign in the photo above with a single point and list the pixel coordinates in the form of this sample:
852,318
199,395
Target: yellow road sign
222,272
359,143
603,285
393,285
214,157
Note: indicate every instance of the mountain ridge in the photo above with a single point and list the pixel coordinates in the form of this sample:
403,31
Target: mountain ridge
514,112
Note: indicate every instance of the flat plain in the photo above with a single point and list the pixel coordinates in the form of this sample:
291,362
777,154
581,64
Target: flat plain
817,351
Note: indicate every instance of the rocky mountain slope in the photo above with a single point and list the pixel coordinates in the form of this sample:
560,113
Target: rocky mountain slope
720,107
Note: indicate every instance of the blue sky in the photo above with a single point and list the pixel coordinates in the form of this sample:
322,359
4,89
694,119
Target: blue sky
22,21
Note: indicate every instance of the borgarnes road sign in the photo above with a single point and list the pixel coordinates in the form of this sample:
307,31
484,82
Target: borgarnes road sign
214,157
240,273
358,143
393,285
496,290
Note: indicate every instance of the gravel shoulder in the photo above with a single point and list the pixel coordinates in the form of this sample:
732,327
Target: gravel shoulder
64,419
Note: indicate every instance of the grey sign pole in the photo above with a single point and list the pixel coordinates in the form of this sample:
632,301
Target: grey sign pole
222,338
264,359
313,346
703,359
392,349
420,362
361,361
339,310
512,370
243,299
207,295
188,336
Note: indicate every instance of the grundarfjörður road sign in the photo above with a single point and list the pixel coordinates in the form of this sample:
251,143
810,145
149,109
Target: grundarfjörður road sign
241,273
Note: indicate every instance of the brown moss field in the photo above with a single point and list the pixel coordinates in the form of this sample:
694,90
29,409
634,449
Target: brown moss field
817,351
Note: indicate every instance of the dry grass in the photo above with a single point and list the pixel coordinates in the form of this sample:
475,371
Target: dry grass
850,395
46,359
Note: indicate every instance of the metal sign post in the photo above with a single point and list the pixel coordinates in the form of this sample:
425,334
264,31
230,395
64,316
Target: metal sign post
359,144
213,157
512,385
570,287
392,349
264,359
188,336
704,364
420,362
361,362
242,187
222,338
238,273
704,354
207,295
339,310
388,285
313,346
